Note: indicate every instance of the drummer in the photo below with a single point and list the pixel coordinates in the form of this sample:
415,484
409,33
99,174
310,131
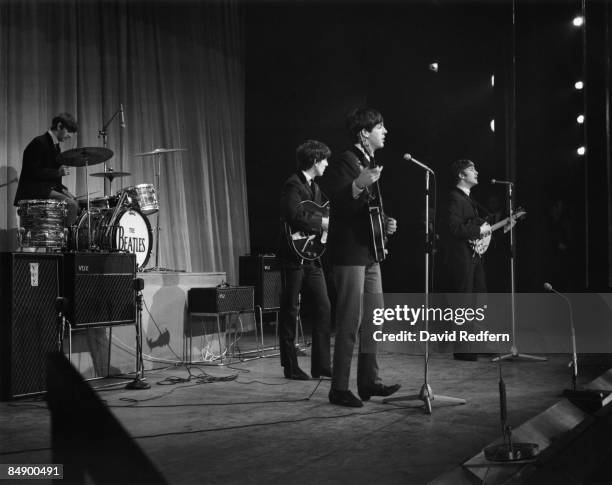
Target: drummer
42,169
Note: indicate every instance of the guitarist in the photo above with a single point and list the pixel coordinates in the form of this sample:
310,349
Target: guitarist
464,269
351,183
304,276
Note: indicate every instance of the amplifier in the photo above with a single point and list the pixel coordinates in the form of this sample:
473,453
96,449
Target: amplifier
222,299
263,272
29,285
99,288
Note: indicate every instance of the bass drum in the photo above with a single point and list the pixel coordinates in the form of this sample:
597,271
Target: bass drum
131,232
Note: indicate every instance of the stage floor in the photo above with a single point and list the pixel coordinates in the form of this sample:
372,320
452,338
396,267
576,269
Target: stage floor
262,428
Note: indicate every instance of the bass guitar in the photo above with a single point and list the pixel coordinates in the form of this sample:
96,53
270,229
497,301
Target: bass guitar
306,245
480,246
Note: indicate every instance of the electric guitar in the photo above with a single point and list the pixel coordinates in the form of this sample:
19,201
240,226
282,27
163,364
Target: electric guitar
480,246
306,245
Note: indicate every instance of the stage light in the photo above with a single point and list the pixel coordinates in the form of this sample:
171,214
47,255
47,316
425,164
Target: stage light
581,151
580,119
493,80
433,67
578,21
492,125
578,85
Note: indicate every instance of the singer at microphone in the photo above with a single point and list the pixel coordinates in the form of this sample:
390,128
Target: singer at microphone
501,182
463,268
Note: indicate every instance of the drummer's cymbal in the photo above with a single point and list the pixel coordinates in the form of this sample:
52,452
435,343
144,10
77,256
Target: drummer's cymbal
79,157
110,174
157,151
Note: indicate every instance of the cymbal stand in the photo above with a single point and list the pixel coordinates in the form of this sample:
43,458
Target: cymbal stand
104,135
89,246
426,394
514,353
157,227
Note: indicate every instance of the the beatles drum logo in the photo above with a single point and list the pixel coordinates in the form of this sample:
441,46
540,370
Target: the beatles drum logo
133,236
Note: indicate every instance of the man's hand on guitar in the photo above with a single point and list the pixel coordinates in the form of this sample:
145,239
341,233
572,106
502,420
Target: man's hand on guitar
390,225
325,223
485,229
367,177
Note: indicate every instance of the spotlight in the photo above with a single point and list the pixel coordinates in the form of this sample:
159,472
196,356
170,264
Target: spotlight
578,85
580,119
578,21
493,80
492,125
581,151
433,67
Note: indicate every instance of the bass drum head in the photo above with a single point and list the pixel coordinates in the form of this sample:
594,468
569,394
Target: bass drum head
133,234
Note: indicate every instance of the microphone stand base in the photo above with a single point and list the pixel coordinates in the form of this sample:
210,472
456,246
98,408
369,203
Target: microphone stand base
138,384
505,452
426,395
517,356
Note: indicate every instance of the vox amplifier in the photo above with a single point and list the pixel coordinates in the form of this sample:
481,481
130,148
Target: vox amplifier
222,299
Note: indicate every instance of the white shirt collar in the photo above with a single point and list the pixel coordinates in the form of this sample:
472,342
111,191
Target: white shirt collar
55,140
465,190
308,177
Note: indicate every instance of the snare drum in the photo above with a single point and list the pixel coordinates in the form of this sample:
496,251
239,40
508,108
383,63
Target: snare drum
131,232
42,223
142,197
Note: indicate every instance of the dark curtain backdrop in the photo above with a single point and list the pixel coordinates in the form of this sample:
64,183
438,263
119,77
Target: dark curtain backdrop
178,69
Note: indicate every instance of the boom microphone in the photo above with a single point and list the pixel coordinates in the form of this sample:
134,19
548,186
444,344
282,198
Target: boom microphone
502,182
409,158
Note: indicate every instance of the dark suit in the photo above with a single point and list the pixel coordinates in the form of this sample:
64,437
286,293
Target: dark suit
355,270
41,178
303,277
464,270
40,170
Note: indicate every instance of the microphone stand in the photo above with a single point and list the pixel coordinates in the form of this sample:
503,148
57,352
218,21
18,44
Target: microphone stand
514,353
104,135
426,394
139,381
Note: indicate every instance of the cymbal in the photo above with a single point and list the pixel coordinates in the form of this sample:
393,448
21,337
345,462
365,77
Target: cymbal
110,174
79,157
157,151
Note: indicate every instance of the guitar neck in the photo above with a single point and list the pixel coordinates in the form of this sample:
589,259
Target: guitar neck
505,221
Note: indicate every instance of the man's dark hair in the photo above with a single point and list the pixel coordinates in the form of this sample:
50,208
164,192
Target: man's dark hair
67,121
311,152
459,166
362,118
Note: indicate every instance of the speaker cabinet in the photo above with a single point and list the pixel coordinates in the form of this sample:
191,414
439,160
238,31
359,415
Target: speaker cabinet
99,288
222,299
29,285
262,272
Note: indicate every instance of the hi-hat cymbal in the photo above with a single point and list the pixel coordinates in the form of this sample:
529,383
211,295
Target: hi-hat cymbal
110,174
157,151
79,157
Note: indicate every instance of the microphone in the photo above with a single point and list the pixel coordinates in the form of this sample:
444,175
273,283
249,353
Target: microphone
409,158
502,182
122,116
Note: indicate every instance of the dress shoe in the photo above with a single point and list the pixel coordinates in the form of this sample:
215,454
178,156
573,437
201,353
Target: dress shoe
296,374
344,398
462,356
377,390
323,373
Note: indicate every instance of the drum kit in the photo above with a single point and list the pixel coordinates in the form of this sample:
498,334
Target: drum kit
118,222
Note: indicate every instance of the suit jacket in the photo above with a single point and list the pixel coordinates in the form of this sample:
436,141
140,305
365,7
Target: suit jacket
461,224
296,190
40,170
349,240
